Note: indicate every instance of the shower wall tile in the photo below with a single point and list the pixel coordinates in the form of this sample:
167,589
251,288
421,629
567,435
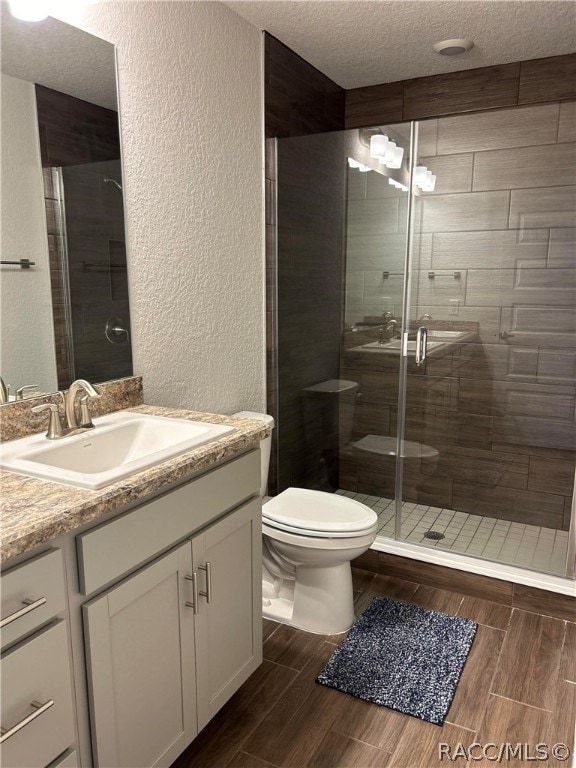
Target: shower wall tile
551,475
372,217
567,123
466,211
457,92
374,104
489,249
549,165
540,326
557,366
508,504
538,208
376,252
441,289
503,398
523,127
550,79
453,172
539,432
484,467
523,285
562,250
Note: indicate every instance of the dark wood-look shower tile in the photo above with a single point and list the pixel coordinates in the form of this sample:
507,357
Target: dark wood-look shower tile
550,79
373,105
467,708
465,91
541,601
339,751
446,578
485,612
530,660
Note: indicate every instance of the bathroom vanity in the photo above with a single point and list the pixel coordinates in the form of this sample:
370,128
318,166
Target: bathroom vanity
132,613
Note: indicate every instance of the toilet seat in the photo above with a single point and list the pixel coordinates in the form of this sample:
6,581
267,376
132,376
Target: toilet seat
317,514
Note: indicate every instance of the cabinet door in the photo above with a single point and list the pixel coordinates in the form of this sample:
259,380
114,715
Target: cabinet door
141,670
228,623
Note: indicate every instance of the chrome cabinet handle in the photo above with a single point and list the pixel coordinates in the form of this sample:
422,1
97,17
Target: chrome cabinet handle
194,580
39,710
29,605
208,569
421,345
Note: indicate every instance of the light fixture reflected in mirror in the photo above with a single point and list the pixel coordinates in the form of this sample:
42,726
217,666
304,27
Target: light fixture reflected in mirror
29,10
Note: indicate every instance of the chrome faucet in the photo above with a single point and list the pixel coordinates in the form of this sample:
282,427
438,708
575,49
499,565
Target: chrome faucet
70,404
388,328
425,316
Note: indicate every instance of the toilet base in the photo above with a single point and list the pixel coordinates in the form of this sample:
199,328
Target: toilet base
319,600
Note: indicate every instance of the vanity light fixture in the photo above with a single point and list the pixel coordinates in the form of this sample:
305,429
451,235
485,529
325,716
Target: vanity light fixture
378,145
386,151
29,10
397,184
359,166
424,178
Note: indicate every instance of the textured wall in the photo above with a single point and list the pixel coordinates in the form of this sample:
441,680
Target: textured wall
27,352
190,112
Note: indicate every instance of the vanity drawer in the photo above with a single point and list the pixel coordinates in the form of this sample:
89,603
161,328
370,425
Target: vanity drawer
118,547
32,594
36,671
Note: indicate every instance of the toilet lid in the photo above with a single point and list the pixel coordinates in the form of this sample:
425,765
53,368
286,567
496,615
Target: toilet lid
317,511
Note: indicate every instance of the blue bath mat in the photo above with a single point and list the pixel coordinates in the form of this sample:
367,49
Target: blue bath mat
402,656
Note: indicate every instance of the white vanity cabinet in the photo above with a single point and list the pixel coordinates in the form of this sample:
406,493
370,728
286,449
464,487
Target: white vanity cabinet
36,702
168,645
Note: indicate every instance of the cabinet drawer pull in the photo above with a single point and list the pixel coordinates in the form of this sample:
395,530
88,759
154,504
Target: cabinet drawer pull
39,710
194,580
208,569
29,605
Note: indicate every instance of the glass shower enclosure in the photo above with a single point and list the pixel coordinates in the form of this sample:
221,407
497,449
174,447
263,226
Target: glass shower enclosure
426,328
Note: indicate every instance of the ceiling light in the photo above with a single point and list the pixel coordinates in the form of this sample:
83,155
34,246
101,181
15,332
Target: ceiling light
455,47
29,10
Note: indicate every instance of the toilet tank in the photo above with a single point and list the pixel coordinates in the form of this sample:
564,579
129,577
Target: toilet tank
265,445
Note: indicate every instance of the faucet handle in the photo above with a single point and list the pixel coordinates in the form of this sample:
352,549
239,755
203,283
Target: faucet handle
20,392
85,418
55,425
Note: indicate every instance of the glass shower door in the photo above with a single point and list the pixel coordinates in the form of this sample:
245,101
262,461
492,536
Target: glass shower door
489,438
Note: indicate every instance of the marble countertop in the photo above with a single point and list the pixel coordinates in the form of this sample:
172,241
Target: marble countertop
36,511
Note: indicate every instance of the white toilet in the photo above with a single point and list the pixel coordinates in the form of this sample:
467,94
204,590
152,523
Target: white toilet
309,539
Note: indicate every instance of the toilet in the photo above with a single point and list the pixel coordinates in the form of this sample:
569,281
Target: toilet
308,540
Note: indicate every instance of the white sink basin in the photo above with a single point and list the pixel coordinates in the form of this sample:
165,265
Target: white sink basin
120,444
445,334
394,346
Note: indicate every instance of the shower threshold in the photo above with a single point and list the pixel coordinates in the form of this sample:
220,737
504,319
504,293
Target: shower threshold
500,541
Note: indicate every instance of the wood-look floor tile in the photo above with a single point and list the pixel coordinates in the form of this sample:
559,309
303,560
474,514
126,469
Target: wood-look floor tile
339,751
437,599
530,659
380,727
268,627
484,612
385,586
564,719
419,745
568,671
361,579
226,732
291,647
542,601
296,724
244,760
508,722
469,701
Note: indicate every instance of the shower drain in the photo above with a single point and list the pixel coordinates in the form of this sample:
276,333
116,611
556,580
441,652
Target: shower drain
435,535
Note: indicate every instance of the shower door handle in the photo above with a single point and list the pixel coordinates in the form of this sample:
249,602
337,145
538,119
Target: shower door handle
421,345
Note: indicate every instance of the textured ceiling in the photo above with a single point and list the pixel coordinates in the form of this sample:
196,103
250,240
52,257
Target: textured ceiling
59,56
364,42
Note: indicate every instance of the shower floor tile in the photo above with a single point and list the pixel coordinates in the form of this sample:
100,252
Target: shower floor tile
527,546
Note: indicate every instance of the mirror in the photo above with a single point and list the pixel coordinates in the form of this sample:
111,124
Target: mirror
63,276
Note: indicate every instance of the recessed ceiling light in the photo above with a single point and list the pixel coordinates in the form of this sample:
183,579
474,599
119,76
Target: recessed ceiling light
454,47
